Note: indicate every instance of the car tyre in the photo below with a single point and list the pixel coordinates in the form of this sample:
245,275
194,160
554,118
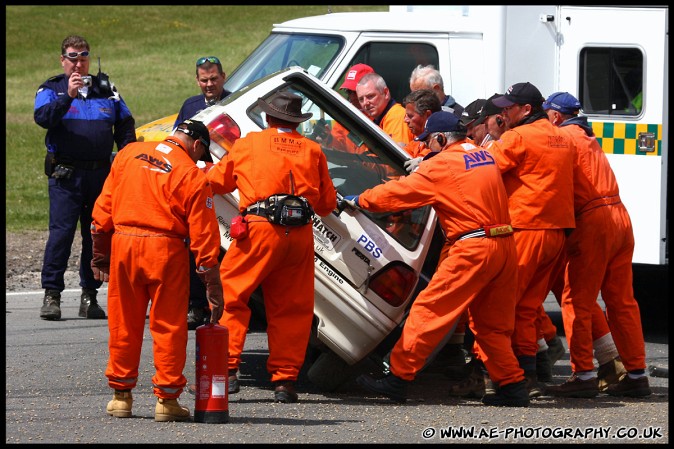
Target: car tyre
329,371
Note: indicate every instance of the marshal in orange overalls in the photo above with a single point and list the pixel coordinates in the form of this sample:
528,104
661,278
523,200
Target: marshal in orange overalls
154,199
479,274
536,161
279,258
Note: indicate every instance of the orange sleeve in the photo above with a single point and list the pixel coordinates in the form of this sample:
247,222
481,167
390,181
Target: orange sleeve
201,219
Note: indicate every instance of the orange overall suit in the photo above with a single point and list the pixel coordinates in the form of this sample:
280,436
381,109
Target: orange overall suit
464,186
279,258
599,258
536,160
154,198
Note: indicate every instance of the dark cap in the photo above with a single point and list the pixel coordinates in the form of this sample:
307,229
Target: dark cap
196,130
285,106
562,102
472,111
519,93
440,122
489,109
354,75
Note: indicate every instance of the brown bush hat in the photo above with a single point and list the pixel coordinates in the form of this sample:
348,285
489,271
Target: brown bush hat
284,106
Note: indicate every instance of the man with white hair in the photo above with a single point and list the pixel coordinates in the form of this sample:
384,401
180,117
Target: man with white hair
428,77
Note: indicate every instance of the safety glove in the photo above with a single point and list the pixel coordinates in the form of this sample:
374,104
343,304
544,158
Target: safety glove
412,164
211,279
351,201
100,262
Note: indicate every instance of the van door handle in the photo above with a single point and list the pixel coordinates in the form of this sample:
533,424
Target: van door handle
646,142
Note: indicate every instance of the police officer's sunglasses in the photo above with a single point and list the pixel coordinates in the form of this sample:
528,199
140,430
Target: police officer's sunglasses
75,54
205,59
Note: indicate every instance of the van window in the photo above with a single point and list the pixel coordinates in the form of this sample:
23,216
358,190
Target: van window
394,61
611,81
313,52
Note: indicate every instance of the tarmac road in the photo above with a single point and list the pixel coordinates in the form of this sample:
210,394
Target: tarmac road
56,392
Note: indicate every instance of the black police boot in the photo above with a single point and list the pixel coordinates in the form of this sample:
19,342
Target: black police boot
393,387
89,307
51,306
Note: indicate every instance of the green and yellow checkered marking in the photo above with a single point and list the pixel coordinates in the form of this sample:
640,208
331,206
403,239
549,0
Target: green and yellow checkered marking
621,138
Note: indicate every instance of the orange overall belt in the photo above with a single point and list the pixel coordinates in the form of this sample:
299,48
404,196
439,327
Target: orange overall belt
499,230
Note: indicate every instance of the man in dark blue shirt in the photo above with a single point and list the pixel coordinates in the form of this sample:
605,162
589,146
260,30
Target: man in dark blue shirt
84,116
211,81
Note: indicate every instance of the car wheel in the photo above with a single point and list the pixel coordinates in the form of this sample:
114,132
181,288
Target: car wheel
329,371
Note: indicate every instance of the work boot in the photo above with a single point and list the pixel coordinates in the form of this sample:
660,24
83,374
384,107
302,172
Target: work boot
51,306
284,391
392,386
533,387
89,307
170,410
120,406
610,373
555,350
453,356
633,388
473,385
233,382
543,367
574,387
196,316
510,395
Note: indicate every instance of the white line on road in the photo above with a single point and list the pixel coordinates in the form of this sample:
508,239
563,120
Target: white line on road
41,292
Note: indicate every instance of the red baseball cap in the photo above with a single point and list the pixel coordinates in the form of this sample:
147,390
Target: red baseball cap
354,75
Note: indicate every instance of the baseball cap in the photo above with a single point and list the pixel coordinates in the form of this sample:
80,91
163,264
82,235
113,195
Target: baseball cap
519,93
488,109
472,111
438,122
196,130
354,75
563,102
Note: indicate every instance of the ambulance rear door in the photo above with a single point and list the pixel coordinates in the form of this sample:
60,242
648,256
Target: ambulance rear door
614,60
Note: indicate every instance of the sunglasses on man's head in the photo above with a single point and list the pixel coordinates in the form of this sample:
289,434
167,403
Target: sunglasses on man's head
75,54
204,60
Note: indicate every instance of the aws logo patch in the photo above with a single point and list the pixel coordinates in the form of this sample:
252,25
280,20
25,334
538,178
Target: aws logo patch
161,166
478,159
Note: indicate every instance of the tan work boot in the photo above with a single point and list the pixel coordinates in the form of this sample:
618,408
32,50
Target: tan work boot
170,410
610,373
473,385
120,406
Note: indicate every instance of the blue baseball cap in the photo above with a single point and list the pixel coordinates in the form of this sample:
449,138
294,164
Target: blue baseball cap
440,122
562,102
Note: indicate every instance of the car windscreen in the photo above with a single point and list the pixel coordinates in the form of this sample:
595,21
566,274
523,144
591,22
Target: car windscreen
358,158
312,52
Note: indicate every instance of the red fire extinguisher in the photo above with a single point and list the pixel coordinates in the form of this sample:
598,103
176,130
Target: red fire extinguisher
211,398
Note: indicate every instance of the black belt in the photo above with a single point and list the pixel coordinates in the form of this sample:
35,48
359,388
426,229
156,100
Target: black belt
87,165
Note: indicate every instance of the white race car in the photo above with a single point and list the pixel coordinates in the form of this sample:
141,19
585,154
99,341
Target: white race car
368,266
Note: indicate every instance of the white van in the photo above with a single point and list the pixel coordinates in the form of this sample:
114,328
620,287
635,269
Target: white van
614,59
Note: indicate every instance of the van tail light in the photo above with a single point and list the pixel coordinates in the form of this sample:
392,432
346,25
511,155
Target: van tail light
394,283
224,131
